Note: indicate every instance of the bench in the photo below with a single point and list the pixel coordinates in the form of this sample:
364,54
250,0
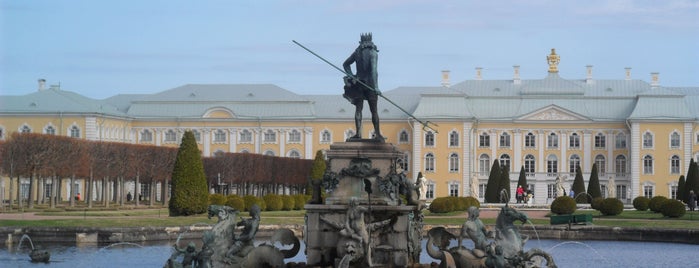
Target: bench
571,219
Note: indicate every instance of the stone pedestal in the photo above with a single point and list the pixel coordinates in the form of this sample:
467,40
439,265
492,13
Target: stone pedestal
356,169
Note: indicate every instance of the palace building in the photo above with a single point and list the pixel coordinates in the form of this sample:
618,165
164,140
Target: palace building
640,134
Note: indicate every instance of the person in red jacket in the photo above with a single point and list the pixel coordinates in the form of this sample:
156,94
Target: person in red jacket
520,194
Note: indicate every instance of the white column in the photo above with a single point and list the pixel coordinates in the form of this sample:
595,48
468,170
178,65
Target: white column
611,144
687,145
466,161
257,139
417,149
517,146
158,136
635,164
282,141
563,142
232,140
541,159
587,150
206,134
308,143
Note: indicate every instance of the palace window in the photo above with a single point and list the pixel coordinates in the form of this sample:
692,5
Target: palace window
552,141
620,166
219,136
325,136
573,163
429,138
349,133
621,192
403,137
50,130
484,165
620,141
245,136
505,140
574,141
453,189
530,140
270,136
484,140
197,135
505,161
647,140
675,140
74,132
648,191
481,189
295,136
453,139
429,193
294,154
601,164
673,191
170,136
552,166
600,141
454,163
529,165
648,164
551,191
429,162
146,135
675,164
25,129
269,152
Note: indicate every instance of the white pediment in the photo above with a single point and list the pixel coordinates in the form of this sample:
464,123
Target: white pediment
552,113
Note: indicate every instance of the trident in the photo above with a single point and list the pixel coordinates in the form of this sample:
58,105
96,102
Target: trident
425,124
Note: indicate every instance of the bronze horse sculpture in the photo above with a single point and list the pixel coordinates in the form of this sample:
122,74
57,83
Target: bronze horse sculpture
505,250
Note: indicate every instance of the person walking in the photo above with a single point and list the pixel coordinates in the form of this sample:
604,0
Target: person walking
520,194
692,198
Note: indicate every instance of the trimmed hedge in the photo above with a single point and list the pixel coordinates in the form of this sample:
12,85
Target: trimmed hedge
611,206
656,203
274,202
441,205
235,202
641,203
563,205
453,203
299,201
254,200
673,208
596,203
288,202
217,199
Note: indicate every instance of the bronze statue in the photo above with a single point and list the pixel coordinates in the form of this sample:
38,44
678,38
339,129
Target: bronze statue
475,229
364,84
246,236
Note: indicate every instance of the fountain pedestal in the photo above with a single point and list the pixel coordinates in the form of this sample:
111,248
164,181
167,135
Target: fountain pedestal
362,177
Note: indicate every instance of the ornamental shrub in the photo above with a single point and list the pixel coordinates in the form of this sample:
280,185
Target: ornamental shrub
288,202
563,205
611,206
190,193
596,203
217,199
254,200
673,208
641,203
299,201
274,202
441,205
656,203
472,202
235,202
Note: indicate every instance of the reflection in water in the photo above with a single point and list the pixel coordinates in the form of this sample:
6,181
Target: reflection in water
566,254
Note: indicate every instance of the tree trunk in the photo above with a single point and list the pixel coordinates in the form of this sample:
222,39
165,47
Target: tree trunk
52,200
20,204
105,191
88,190
72,192
151,193
32,186
135,190
12,182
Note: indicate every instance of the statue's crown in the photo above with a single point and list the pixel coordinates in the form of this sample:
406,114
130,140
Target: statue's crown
365,37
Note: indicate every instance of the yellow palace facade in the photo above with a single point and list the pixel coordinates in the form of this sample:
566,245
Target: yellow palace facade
640,134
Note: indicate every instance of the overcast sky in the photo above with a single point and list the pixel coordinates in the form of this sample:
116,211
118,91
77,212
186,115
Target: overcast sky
103,48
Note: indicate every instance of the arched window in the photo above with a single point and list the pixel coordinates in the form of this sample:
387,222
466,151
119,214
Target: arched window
453,139
529,165
294,154
484,140
219,136
574,141
647,164
429,162
269,152
530,140
505,161
647,140
245,136
552,141
50,130
620,166
325,136
218,153
295,136
403,137
74,132
270,136
505,139
484,165
601,162
620,140
600,141
675,140
349,133
552,166
454,163
675,164
429,138
170,136
197,135
573,163
146,135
